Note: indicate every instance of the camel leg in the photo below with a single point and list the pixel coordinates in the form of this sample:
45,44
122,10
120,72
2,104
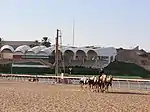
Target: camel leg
82,86
98,87
107,87
102,87
93,88
111,87
90,87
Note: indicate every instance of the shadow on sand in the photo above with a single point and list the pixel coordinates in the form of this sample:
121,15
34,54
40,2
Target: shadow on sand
133,93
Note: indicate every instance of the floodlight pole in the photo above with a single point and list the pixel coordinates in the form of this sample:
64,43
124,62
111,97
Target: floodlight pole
56,54
73,28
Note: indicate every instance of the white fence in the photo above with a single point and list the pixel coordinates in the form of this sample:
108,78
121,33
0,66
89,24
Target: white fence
139,84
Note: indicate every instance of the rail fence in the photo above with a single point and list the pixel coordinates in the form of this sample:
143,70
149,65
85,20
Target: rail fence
138,84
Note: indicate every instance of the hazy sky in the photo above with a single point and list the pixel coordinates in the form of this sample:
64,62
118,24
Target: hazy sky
118,23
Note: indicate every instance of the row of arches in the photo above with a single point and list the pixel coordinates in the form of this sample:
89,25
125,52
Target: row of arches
67,52
70,53
24,49
79,55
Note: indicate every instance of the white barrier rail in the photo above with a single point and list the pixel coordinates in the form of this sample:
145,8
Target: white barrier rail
140,84
67,77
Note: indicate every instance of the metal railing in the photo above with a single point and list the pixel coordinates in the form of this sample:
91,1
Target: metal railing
137,84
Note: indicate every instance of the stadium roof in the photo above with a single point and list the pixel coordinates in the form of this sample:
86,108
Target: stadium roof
42,50
22,48
7,47
36,49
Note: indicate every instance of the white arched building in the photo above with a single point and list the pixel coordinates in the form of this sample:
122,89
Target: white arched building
69,53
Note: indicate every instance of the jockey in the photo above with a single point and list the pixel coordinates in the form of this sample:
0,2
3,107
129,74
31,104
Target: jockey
95,78
92,78
83,79
101,71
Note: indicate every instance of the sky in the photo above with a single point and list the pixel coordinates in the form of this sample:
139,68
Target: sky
106,23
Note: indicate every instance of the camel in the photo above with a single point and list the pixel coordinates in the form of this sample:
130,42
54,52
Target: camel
83,81
108,82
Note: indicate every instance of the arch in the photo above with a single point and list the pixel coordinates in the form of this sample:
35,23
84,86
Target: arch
45,51
68,55
30,53
35,49
68,48
91,54
80,55
7,49
22,49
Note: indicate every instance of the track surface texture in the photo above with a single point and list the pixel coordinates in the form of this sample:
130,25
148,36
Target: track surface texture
37,97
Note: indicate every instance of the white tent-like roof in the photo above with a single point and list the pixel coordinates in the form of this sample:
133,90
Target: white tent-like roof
7,47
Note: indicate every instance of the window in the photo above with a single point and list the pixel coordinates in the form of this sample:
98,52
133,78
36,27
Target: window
104,58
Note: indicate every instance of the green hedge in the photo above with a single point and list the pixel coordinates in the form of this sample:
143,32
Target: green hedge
32,70
126,69
115,68
82,71
5,68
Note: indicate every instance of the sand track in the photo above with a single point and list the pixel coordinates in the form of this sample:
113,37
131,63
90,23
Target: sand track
32,97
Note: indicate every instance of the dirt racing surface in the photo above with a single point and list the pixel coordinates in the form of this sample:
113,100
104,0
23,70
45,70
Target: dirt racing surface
33,97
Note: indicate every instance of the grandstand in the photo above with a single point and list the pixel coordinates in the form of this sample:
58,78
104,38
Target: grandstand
88,57
83,60
139,57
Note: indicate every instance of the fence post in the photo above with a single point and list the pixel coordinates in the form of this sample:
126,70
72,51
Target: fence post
118,83
146,85
128,84
139,85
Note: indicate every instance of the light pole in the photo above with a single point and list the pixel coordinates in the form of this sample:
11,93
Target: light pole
56,54
73,28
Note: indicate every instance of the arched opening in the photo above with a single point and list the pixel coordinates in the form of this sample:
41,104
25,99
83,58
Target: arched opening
6,53
6,50
80,55
68,55
18,55
91,55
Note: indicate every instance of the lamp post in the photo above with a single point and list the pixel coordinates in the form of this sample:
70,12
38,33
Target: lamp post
56,54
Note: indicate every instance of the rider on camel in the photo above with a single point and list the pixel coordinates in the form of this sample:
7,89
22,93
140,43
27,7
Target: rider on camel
101,71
